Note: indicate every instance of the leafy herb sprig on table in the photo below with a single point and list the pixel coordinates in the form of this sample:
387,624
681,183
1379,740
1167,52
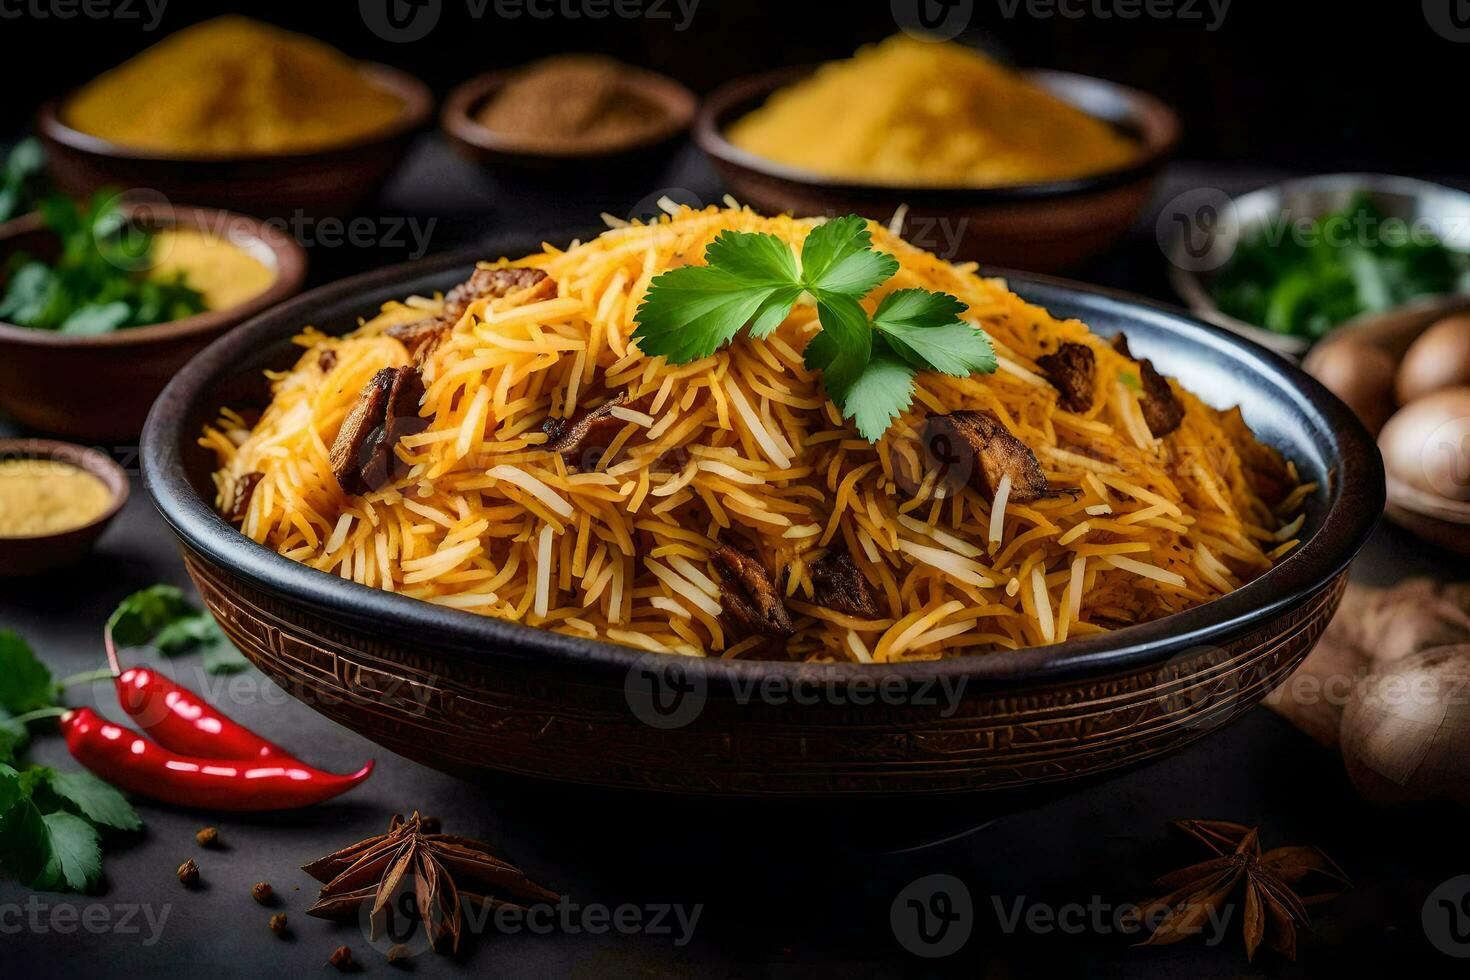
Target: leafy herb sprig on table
97,284
160,616
51,823
752,280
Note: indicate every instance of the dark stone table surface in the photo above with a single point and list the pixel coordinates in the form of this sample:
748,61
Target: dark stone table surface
1042,885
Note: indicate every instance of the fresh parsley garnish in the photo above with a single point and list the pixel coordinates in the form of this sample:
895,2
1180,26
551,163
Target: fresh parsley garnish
51,823
752,280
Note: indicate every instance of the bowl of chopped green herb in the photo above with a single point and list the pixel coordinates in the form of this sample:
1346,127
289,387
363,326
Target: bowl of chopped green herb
1290,263
102,302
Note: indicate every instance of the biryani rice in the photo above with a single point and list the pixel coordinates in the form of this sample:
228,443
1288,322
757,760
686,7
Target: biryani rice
744,447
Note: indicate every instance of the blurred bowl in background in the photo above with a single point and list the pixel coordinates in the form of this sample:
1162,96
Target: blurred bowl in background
100,387
1041,227
334,181
505,153
1192,268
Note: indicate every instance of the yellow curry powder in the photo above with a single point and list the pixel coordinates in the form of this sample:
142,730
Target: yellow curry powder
922,113
230,86
47,496
223,272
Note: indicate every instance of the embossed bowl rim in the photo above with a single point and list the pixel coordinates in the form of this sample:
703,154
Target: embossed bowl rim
1347,507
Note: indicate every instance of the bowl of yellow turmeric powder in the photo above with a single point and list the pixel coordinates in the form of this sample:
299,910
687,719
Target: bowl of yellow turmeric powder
56,499
976,161
237,114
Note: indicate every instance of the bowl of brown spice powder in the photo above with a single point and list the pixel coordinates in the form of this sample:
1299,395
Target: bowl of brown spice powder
566,111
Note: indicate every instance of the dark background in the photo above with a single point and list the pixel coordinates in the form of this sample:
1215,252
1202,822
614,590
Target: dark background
1297,83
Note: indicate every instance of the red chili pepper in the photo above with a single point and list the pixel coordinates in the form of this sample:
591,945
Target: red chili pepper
131,762
180,720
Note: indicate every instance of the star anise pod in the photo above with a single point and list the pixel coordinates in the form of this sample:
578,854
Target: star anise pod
1273,904
441,870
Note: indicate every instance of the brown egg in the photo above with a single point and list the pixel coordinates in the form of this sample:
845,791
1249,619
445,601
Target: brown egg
1439,358
1427,443
1358,373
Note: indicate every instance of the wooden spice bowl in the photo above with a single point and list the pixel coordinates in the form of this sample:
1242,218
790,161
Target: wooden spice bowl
483,697
333,181
100,387
501,152
1041,227
32,554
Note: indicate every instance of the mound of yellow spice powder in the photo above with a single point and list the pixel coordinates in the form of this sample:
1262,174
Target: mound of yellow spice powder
47,496
917,113
233,86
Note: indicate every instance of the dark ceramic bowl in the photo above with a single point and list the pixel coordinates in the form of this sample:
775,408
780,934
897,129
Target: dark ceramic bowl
101,387
500,153
331,181
35,553
1044,227
479,696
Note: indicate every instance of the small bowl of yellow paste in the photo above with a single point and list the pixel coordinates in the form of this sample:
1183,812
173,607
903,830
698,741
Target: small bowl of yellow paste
98,386
966,157
56,499
236,113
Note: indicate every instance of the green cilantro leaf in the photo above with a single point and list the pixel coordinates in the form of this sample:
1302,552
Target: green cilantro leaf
847,341
877,396
693,311
141,615
13,737
757,259
75,853
48,837
25,682
925,329
90,797
10,789
96,318
1130,381
837,259
25,842
160,615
